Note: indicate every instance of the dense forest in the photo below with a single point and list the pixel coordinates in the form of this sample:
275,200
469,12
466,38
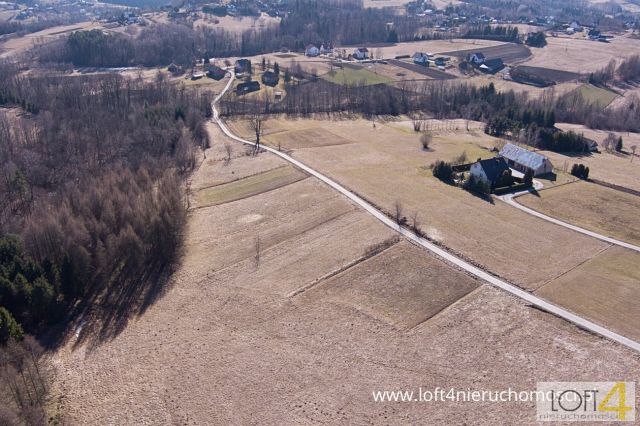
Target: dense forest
92,193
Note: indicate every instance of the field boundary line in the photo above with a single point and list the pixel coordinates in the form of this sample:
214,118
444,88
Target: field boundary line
433,248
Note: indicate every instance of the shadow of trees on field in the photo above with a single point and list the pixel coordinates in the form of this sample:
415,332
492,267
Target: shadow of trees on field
104,313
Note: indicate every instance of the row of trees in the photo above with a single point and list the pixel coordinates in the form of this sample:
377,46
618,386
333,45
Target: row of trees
337,22
488,32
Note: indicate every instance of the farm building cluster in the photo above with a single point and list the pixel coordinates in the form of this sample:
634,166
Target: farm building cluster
497,172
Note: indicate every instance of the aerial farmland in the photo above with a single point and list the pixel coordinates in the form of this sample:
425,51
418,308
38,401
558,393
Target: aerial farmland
333,212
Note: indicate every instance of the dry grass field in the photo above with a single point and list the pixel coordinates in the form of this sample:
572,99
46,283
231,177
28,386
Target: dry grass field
19,44
581,55
349,76
591,292
615,168
596,95
249,186
373,287
532,91
386,164
591,206
225,344
235,24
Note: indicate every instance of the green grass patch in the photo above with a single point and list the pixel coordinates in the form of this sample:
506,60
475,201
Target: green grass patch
596,95
350,76
249,186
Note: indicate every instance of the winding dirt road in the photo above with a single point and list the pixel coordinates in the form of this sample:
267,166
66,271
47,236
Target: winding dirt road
514,290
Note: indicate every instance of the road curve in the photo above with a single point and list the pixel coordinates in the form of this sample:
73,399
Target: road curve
510,199
514,290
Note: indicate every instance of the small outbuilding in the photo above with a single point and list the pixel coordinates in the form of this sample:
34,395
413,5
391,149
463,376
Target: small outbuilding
493,171
522,159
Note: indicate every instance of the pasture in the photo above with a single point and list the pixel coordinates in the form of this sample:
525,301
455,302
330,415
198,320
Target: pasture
191,356
386,164
591,291
354,75
596,95
580,55
604,210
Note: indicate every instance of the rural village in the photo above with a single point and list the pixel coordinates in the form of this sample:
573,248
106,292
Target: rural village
318,212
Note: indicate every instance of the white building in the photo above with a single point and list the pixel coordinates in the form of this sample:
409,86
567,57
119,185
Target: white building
522,159
361,53
311,50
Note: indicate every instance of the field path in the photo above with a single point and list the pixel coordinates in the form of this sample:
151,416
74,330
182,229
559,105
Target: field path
438,251
510,199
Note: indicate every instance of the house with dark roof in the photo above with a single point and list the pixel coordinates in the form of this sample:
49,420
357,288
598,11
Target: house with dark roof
242,66
270,78
476,58
492,66
522,159
247,87
215,72
494,171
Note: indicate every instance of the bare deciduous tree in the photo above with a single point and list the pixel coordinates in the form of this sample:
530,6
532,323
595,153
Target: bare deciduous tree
228,149
398,212
425,140
633,151
257,248
256,125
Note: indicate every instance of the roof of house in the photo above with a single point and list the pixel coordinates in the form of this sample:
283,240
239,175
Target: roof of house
494,167
478,55
493,63
311,46
362,49
523,156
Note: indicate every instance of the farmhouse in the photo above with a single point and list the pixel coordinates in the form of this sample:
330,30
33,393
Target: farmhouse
247,87
216,72
522,159
476,58
493,171
242,66
361,53
421,58
270,78
492,66
311,50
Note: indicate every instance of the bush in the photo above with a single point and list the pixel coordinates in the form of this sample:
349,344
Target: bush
476,185
425,140
442,170
580,171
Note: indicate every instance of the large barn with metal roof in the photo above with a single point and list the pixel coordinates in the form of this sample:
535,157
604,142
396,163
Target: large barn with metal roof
522,159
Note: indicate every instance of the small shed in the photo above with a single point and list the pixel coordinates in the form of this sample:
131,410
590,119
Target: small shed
522,159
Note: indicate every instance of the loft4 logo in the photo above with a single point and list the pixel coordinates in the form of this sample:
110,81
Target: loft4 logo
586,401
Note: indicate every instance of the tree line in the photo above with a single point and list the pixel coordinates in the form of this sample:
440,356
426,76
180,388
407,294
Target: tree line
92,187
